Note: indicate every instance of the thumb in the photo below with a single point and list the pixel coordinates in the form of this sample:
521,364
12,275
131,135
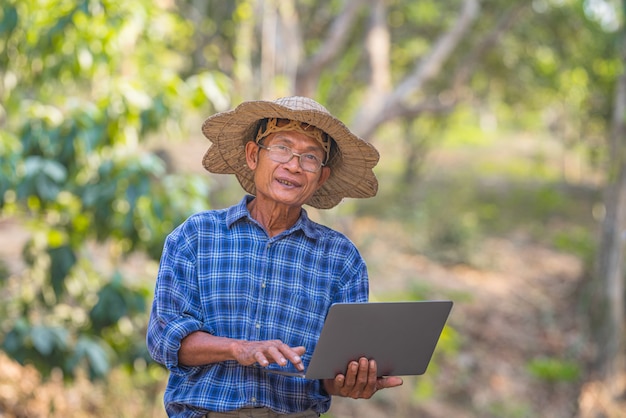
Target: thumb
389,382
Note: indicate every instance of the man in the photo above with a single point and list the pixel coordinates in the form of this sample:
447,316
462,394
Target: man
246,289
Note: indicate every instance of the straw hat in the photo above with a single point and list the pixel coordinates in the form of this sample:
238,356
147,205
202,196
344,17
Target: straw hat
351,164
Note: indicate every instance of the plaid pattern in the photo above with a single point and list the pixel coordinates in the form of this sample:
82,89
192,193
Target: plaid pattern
220,273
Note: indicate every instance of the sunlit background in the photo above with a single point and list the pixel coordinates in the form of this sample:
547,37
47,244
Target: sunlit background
500,125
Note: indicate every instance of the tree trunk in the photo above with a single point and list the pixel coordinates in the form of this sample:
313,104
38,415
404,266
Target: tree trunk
391,106
332,46
610,360
268,49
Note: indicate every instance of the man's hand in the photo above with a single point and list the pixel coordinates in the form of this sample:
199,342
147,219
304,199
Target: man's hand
267,352
200,348
360,381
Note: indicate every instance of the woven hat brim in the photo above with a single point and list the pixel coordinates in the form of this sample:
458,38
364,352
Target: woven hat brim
351,169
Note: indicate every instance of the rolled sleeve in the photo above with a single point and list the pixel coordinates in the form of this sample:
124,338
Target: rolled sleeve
164,340
176,310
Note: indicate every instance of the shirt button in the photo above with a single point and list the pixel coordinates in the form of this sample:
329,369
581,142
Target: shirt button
253,400
258,325
263,285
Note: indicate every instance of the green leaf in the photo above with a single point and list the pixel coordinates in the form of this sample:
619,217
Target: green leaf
47,339
43,340
44,178
554,370
14,339
54,171
115,300
9,20
110,307
93,353
62,259
96,356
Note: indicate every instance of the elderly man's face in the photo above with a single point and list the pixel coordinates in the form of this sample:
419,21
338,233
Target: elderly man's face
286,183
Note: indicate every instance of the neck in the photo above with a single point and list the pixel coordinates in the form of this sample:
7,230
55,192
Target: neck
274,217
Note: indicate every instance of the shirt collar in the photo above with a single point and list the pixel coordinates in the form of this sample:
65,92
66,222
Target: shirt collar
240,211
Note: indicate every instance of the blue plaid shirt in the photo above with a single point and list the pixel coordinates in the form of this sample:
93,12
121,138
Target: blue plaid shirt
221,273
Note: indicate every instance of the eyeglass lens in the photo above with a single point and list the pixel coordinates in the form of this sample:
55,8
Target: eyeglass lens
281,154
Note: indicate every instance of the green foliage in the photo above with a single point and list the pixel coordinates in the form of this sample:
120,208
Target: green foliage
553,370
511,408
48,347
83,84
91,351
62,259
578,241
540,209
448,346
115,301
420,290
449,216
38,344
450,229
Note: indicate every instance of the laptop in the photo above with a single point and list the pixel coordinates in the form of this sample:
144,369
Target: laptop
400,336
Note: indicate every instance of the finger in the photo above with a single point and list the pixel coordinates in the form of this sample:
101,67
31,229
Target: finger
356,379
362,376
371,386
351,373
293,355
277,356
362,379
389,382
338,384
261,359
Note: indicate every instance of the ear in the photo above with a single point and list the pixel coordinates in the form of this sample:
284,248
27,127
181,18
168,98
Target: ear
324,175
252,154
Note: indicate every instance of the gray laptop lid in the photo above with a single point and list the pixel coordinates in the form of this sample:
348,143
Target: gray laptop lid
400,336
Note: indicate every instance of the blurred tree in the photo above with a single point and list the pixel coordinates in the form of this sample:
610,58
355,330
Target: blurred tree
611,360
82,83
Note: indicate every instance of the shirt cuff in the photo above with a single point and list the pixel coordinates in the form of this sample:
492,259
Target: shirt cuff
173,333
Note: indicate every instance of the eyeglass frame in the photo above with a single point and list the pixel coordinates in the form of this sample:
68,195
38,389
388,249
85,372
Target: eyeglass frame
293,154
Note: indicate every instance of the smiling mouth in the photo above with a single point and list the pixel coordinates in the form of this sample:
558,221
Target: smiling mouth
286,183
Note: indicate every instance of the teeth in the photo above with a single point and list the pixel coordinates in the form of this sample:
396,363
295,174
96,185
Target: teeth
286,183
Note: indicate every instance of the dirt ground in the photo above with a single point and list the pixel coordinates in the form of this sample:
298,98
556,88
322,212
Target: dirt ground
521,309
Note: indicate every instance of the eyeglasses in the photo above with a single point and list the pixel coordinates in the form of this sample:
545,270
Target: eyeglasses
282,154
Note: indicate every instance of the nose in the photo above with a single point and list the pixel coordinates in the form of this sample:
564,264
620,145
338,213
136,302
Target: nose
294,162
